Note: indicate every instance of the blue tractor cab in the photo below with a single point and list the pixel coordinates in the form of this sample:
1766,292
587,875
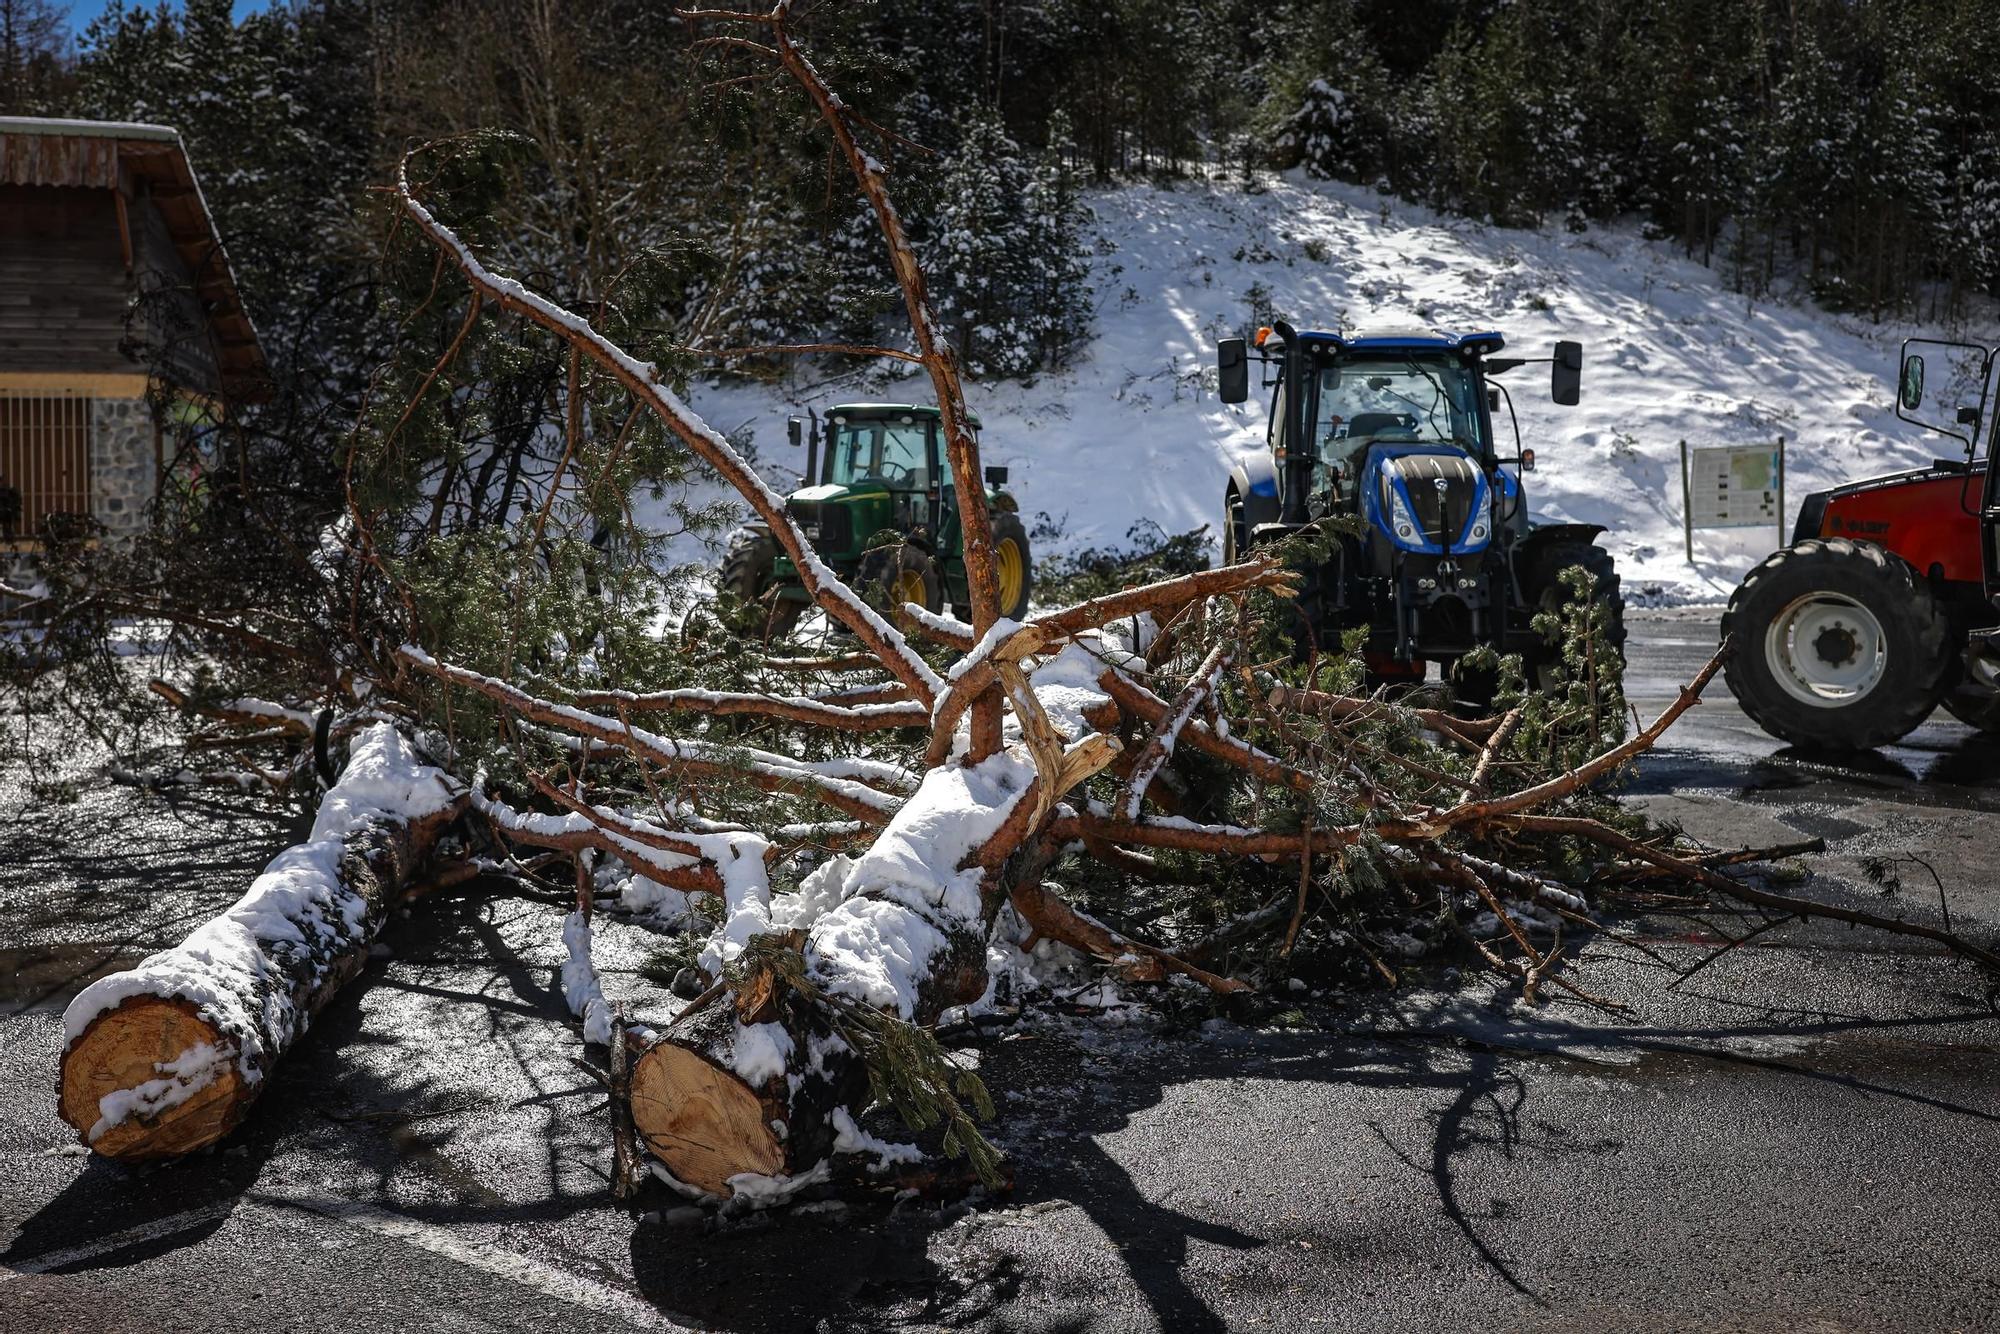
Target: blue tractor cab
1397,429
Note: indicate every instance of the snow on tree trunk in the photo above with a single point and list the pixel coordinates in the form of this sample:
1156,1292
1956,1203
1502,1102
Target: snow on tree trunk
754,1087
166,1058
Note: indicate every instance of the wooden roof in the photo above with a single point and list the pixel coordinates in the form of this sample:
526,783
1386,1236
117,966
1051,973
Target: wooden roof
91,154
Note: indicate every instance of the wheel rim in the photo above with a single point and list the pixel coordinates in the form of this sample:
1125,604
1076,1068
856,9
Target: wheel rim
1012,571
908,587
1826,650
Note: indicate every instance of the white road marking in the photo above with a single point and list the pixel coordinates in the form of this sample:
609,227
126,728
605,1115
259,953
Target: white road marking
545,1279
131,1236
483,1256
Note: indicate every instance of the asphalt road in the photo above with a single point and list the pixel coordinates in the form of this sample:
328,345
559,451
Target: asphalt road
1800,1137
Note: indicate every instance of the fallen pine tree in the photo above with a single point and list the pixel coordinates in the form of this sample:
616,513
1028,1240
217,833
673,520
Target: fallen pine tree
852,840
166,1058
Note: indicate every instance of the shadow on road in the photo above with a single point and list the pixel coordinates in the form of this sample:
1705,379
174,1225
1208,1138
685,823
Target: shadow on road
374,1103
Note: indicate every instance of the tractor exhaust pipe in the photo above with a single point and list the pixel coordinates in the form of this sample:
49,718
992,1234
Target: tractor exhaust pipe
1298,444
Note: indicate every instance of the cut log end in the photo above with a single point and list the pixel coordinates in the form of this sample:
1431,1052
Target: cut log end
135,1072
702,1122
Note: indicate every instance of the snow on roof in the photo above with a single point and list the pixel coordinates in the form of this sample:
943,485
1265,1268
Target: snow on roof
92,129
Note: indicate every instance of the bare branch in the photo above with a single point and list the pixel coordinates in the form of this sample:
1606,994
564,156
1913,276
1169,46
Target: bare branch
642,380
1159,747
1133,960
974,673
859,717
1472,812
1682,868
760,769
1140,703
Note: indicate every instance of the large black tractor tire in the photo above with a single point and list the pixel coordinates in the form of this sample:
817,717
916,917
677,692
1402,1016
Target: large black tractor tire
891,576
747,572
1235,528
1013,565
1545,591
1838,646
1541,585
746,568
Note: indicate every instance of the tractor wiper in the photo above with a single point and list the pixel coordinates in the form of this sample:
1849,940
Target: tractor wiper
1430,413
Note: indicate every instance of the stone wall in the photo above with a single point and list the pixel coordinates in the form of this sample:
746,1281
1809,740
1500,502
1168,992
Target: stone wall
122,464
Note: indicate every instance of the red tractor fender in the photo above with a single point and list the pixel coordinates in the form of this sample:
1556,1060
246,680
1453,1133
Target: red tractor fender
1928,516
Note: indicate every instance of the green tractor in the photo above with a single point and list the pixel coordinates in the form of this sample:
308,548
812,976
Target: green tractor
880,509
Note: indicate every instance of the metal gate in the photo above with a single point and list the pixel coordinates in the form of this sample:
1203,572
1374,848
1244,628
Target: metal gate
45,456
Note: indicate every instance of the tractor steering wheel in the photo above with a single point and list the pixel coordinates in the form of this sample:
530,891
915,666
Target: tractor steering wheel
895,474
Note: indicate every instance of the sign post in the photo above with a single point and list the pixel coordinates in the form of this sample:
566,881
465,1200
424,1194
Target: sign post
1732,486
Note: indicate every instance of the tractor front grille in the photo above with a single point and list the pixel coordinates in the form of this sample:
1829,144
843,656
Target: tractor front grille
828,527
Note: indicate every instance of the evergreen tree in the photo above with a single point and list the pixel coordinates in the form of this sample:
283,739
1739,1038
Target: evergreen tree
1058,295
1004,251
33,42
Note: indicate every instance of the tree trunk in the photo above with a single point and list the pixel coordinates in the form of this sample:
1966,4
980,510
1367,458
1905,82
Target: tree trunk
755,1080
714,1099
167,1057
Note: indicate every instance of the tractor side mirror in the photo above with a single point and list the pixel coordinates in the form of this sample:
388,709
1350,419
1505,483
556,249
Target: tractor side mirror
996,476
1232,368
1966,370
795,428
1566,374
1912,392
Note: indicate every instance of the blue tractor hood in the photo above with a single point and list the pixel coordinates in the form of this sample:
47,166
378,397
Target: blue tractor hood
1427,499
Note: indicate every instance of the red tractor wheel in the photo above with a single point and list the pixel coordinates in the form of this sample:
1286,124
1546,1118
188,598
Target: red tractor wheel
1838,646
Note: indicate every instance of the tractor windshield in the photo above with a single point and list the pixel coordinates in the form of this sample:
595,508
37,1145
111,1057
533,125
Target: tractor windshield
895,453
1397,400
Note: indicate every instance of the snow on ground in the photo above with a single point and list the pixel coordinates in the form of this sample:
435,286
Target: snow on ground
1133,430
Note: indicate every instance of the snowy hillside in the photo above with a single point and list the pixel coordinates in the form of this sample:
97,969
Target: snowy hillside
1133,431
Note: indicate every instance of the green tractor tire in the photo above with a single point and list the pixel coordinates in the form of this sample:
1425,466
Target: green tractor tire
892,576
1013,566
1013,569
747,572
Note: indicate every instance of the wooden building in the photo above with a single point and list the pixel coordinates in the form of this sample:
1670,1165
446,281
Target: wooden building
116,307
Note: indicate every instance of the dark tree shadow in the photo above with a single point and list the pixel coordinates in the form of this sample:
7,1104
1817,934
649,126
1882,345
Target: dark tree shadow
361,1098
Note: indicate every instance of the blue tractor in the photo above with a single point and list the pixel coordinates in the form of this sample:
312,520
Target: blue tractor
1396,430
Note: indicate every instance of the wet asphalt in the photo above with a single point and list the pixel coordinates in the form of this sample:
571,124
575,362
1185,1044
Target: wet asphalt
1804,1135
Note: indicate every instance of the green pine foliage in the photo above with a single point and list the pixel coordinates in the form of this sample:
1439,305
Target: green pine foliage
1845,148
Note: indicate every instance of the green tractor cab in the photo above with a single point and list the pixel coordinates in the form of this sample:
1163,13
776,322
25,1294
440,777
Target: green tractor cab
880,509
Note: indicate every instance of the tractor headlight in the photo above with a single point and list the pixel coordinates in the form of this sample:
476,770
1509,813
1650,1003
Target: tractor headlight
1479,527
1402,522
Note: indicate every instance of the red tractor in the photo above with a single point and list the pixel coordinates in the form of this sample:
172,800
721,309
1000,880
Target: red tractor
1884,604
